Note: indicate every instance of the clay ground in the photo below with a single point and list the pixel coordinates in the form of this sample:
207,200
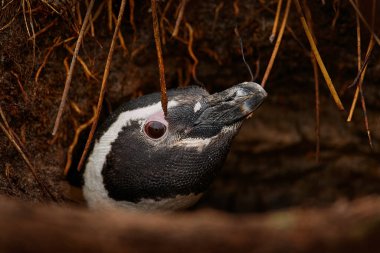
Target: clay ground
272,165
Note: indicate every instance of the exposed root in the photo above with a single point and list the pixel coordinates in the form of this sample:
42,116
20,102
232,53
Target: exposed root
24,94
137,50
212,54
216,15
78,131
191,52
181,7
57,42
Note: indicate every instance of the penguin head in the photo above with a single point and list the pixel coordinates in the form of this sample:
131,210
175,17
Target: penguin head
142,159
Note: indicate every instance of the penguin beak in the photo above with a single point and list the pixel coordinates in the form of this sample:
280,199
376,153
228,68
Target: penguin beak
231,105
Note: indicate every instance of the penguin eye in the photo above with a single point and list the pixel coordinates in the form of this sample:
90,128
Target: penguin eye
155,129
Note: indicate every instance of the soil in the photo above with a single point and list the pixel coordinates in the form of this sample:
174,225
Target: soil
272,164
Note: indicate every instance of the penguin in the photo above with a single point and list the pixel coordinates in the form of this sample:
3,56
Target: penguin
143,160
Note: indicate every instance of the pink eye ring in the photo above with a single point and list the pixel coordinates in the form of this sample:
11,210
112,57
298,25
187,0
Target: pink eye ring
155,129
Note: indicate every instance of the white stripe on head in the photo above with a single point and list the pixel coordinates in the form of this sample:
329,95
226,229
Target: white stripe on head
199,144
93,189
197,107
196,143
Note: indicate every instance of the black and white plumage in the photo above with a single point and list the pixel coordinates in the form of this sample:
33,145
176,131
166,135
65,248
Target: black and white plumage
143,160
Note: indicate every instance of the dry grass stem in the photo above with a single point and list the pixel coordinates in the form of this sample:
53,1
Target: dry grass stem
47,27
336,7
91,21
156,29
275,23
71,71
50,6
31,26
4,6
104,84
24,14
291,32
242,53
76,108
86,70
376,38
121,38
359,90
359,64
317,109
277,45
94,17
162,19
316,84
369,52
66,65
78,13
9,23
13,18
110,12
315,51
362,67
132,18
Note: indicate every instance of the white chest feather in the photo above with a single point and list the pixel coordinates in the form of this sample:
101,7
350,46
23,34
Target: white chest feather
94,190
